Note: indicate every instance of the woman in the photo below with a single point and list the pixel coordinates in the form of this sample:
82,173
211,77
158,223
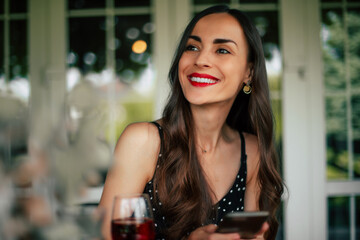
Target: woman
212,152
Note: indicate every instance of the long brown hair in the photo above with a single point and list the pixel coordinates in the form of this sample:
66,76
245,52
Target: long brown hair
179,179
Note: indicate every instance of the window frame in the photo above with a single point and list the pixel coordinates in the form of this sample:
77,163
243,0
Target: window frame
345,187
7,17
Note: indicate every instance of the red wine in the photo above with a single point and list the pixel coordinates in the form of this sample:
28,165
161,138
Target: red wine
133,229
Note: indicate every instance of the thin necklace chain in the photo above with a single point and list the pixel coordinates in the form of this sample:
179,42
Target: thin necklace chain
202,149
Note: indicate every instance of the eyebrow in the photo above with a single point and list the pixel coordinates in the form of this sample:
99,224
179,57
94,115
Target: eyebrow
216,41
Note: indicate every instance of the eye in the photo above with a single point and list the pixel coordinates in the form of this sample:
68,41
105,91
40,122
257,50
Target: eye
222,51
191,48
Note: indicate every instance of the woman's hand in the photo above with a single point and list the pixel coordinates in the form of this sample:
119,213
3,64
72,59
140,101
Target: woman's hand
260,234
208,233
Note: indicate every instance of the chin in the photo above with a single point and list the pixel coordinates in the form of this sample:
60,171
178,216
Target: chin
198,102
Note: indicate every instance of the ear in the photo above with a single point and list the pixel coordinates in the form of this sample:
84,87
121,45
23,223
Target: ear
249,73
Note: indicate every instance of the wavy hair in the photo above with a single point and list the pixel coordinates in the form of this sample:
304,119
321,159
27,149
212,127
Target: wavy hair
179,179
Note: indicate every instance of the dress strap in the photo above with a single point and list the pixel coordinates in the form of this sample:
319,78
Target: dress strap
243,149
161,134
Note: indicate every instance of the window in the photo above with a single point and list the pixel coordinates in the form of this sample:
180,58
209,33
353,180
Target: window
13,49
14,85
110,48
211,2
341,56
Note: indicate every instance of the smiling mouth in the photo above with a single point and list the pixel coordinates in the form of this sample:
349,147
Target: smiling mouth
202,80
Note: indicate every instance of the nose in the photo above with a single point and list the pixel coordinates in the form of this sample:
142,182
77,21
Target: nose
203,59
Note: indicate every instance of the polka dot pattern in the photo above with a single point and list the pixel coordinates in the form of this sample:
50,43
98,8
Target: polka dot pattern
232,201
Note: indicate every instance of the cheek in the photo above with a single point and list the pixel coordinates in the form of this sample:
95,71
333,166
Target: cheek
181,66
236,74
183,63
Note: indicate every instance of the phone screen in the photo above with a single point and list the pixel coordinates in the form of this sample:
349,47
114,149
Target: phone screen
245,223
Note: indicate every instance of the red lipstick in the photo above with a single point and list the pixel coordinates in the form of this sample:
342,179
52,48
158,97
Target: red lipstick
202,80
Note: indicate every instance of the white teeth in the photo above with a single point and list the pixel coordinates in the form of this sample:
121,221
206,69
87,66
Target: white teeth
202,80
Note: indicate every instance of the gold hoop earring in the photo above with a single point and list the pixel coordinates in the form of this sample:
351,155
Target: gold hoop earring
247,88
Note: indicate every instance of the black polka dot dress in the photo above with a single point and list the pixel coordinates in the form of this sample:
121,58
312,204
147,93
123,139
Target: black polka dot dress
233,201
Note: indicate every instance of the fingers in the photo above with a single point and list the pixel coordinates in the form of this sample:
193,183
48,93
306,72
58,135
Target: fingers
260,234
217,236
210,228
227,236
208,232
264,228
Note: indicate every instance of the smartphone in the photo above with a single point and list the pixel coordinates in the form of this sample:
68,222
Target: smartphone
247,224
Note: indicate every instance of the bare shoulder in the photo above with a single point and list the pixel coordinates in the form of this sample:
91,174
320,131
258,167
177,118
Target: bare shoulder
253,154
140,133
138,146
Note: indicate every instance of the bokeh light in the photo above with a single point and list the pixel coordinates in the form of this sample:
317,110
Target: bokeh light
139,46
132,33
149,28
72,58
90,58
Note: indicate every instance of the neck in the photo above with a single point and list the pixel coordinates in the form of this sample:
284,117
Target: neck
210,126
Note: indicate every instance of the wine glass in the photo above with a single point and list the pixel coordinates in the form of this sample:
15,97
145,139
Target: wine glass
132,218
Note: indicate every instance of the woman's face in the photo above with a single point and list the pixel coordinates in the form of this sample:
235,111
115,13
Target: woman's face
214,65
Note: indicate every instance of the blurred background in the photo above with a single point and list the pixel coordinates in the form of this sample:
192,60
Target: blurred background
74,73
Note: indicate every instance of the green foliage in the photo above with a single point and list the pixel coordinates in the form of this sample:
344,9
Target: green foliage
357,165
277,111
131,112
339,212
274,83
341,55
337,164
